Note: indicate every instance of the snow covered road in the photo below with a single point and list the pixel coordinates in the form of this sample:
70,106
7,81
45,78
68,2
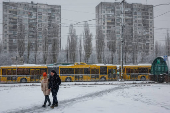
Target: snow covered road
102,97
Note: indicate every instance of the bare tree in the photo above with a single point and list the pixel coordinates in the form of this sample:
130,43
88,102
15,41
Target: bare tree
21,37
72,43
167,44
55,42
112,43
80,48
100,45
36,47
67,49
87,38
0,46
28,51
45,45
156,49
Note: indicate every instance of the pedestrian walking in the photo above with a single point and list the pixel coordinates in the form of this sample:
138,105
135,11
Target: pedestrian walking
44,88
54,82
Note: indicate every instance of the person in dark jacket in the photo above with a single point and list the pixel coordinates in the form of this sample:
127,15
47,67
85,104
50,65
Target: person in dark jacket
54,82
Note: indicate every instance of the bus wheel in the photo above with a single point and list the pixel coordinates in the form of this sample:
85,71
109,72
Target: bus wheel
23,80
68,79
102,78
142,78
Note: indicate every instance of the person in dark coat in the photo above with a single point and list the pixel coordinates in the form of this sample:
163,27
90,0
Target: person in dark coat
54,82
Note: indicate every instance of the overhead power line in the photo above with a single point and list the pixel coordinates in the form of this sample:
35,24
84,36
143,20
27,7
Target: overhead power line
162,14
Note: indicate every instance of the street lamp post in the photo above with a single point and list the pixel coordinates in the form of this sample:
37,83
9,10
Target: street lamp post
122,40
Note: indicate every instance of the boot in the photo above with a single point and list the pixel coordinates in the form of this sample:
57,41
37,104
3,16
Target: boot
56,105
49,104
43,106
52,106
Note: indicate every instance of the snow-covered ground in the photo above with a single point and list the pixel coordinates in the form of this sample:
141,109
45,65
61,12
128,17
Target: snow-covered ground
91,97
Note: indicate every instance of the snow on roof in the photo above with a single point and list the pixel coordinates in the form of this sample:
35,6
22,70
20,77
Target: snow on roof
29,65
105,64
123,65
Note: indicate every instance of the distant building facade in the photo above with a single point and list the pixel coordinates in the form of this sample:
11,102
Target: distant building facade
138,20
36,19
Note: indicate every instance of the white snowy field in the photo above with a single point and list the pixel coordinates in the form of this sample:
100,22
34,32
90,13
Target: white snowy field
91,97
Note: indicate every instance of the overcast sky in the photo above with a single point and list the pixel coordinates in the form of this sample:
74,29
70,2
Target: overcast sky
73,11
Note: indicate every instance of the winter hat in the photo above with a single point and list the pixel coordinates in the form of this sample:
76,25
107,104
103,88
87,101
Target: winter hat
53,71
44,74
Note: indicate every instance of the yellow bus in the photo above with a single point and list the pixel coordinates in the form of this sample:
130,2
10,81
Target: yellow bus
85,72
22,73
136,72
74,72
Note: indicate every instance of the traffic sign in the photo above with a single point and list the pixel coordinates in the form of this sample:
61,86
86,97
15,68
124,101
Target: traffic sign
165,57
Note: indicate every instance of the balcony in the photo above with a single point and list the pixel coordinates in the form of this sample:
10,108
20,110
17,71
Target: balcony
12,17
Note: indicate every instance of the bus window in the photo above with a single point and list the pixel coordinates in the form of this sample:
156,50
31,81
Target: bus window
3,71
95,73
143,70
20,71
32,72
78,71
66,71
37,72
86,71
127,70
14,71
114,71
26,71
42,71
9,72
103,70
149,70
132,71
110,71
135,70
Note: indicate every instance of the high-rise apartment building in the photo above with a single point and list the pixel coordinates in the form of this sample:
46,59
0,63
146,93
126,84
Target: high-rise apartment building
32,21
138,21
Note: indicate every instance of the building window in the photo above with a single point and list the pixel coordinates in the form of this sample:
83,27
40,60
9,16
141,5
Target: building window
39,17
118,36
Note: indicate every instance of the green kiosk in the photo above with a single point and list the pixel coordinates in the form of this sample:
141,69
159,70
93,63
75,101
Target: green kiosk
160,70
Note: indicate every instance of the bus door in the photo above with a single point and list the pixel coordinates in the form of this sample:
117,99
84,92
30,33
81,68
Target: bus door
86,75
94,74
134,73
9,75
128,73
32,74
4,77
78,74
37,75
112,75
14,77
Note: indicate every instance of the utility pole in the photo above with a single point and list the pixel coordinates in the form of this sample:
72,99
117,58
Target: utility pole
122,40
